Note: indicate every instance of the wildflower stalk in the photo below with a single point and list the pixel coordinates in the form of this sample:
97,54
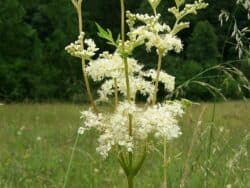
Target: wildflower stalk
130,174
124,57
160,55
129,137
116,93
78,6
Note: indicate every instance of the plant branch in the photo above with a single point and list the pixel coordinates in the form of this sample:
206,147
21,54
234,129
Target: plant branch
116,93
78,6
160,54
141,161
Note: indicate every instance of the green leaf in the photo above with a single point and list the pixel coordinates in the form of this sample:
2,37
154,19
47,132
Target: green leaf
107,34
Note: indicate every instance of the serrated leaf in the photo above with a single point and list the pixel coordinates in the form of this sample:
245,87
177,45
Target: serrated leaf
106,34
118,39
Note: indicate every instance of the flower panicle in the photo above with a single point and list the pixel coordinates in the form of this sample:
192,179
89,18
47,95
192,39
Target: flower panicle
76,48
159,121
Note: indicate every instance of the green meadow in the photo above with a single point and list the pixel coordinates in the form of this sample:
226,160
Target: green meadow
36,141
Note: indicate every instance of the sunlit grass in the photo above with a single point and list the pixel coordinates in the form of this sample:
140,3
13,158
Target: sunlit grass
36,141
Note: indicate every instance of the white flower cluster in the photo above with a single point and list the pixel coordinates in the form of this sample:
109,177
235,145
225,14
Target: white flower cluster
152,33
130,125
111,66
164,43
188,9
76,49
137,84
90,120
180,14
159,121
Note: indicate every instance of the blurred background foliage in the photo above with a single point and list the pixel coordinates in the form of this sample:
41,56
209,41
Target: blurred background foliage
35,67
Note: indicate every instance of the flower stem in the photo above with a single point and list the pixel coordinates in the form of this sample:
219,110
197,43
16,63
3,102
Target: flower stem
130,181
130,174
125,59
78,6
116,93
160,54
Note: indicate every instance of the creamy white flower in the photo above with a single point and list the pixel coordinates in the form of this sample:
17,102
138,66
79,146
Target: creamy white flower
159,121
152,33
126,108
137,85
91,120
163,42
76,48
188,9
111,67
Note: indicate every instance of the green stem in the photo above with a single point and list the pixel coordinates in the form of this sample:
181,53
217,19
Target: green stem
154,100
160,55
116,93
125,59
130,181
123,164
130,175
78,6
141,161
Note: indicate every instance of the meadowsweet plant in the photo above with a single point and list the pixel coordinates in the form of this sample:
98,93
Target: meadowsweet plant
130,131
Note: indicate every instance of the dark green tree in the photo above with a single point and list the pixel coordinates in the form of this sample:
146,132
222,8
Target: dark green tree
202,45
20,50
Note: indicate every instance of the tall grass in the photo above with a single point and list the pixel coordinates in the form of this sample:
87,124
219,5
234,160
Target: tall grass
36,144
